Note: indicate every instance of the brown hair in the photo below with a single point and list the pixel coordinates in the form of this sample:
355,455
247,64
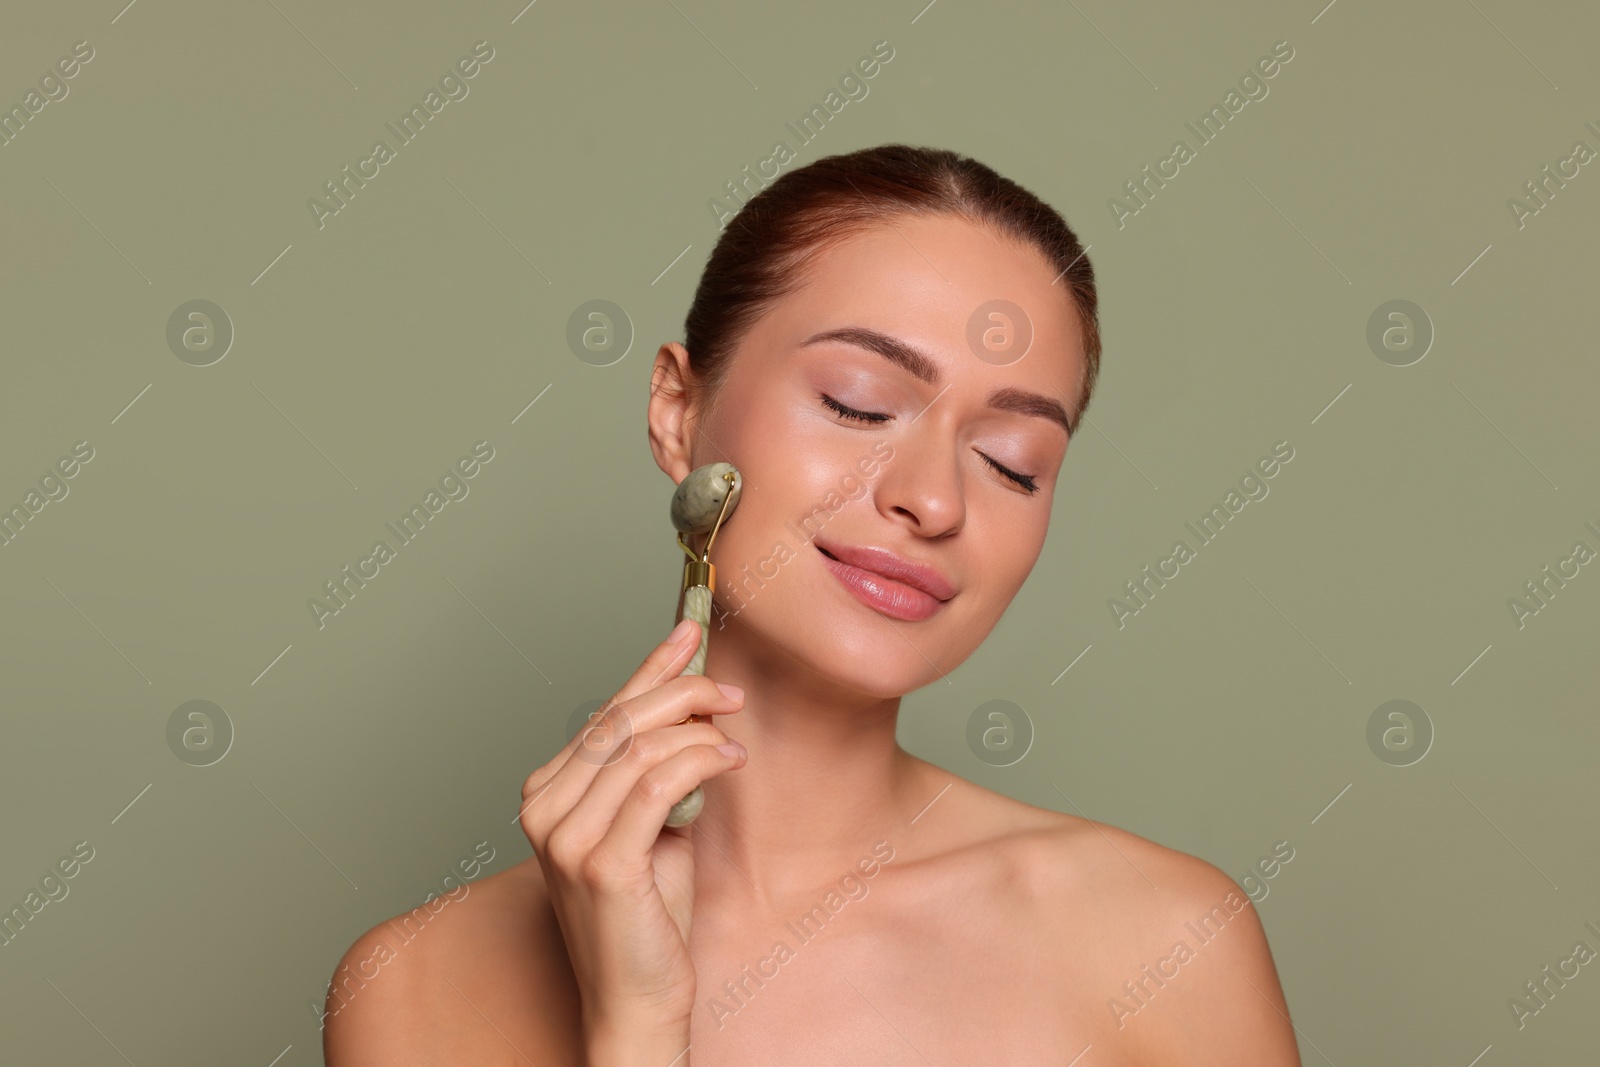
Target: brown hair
764,249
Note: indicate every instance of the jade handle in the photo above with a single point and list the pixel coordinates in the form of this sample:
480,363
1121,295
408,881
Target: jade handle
696,606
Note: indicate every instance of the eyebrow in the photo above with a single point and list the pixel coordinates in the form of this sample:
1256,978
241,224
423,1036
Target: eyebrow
923,367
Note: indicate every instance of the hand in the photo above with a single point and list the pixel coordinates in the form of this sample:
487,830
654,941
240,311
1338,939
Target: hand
620,881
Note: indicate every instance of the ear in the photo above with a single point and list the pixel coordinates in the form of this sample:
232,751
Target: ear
670,415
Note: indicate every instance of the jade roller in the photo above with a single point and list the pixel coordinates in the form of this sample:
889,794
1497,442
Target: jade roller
702,503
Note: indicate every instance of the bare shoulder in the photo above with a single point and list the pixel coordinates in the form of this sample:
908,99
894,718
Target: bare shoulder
1202,987
1049,852
483,970
1166,944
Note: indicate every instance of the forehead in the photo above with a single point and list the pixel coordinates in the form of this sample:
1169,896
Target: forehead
924,279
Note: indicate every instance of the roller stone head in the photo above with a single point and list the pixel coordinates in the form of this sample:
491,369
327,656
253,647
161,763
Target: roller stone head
698,500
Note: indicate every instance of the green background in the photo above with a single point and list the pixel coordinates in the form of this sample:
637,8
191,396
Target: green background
374,753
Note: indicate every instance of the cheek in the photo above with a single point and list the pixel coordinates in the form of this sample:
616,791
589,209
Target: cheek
1011,547
797,486
784,505
801,474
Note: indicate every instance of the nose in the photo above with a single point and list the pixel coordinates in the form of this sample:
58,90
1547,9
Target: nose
920,486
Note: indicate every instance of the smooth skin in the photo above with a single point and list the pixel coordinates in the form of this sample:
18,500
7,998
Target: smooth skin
997,932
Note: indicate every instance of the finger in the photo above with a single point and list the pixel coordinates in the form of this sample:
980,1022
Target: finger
665,661
592,814
554,792
608,737
643,814
622,724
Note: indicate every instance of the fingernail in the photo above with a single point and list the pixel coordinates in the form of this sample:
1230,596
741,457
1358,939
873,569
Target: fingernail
680,631
732,692
733,750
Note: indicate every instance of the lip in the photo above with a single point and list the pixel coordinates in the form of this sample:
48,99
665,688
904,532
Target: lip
887,582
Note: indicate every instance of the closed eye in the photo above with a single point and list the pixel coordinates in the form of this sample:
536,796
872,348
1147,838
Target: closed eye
851,413
1026,481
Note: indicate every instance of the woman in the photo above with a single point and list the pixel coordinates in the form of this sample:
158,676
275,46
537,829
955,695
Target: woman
839,900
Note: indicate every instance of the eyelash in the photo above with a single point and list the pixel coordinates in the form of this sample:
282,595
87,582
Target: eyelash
1026,481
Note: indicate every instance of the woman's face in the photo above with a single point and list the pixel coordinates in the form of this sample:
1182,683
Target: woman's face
921,479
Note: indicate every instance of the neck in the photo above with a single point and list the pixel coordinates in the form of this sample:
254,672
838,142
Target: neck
825,780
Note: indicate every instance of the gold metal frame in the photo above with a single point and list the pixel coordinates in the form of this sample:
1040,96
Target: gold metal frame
698,570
